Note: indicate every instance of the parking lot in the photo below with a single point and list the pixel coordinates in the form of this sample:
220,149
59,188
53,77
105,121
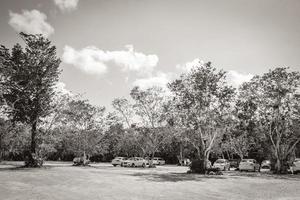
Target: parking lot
60,180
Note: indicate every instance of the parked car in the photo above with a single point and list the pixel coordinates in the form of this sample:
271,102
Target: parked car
234,163
265,166
135,162
158,161
221,164
249,165
295,168
118,161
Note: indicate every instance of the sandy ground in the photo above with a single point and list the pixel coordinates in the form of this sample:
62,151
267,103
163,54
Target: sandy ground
61,181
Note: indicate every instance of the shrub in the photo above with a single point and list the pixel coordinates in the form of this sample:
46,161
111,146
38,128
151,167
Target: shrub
197,166
33,161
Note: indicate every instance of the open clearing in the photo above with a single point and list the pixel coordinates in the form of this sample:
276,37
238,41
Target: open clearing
103,181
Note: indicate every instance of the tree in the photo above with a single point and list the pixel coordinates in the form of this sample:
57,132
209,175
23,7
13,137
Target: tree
243,135
203,102
27,80
240,145
85,128
278,113
124,108
149,108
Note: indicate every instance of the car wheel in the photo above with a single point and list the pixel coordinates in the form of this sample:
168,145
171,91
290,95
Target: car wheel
143,165
133,165
114,165
224,168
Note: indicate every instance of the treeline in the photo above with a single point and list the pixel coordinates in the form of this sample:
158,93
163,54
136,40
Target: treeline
199,115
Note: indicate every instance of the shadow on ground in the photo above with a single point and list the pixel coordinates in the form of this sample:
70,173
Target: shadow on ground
176,177
263,175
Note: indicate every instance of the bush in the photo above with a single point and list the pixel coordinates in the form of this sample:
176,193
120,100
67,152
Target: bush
197,166
33,161
80,161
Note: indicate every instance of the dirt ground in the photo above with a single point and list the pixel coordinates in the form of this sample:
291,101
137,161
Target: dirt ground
61,181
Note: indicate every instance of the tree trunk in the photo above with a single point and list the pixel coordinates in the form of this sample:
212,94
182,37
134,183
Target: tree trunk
1,150
241,156
180,157
151,160
33,137
32,160
278,166
84,158
228,156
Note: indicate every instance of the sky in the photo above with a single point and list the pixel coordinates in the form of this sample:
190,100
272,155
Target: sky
109,46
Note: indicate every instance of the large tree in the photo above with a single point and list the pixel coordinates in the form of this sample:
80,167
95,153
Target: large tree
84,127
203,102
277,101
149,106
27,80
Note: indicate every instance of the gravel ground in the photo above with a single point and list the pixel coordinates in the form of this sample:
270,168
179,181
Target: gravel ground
61,181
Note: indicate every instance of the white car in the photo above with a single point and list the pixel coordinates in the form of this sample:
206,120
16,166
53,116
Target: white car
295,168
265,166
158,161
249,165
222,164
135,162
118,161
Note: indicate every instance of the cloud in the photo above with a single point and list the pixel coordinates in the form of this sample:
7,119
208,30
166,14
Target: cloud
235,78
31,22
160,80
94,61
187,67
66,5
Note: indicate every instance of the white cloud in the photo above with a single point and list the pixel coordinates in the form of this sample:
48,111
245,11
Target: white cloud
94,61
235,78
31,22
86,59
66,5
160,80
187,67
